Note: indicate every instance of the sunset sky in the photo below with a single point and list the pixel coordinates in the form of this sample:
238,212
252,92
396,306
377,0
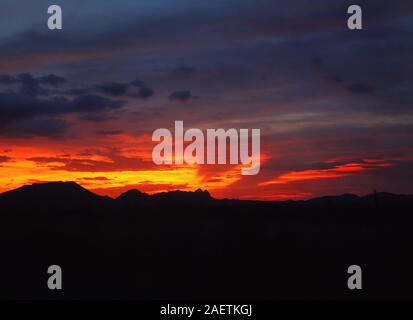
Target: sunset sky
334,106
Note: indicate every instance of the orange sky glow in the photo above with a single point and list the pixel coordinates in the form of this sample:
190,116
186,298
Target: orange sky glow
104,173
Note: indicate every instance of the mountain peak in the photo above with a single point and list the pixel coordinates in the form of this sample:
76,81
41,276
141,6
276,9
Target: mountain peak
50,193
200,191
50,186
133,194
188,197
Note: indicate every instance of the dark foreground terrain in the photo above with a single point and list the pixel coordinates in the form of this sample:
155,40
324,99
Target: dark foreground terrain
188,245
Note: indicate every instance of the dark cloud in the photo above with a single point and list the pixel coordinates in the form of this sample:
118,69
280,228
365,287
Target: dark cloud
264,40
96,117
15,106
138,83
182,95
30,85
76,91
184,71
198,25
52,80
22,115
305,18
118,162
7,79
109,132
4,159
113,88
361,88
334,79
317,61
143,93
52,128
134,89
92,102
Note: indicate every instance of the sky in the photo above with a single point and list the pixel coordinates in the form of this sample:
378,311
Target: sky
334,106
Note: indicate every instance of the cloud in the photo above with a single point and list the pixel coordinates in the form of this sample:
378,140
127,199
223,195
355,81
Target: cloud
29,85
182,95
184,71
52,128
291,68
334,78
113,88
109,132
338,171
317,61
92,102
76,91
7,79
143,93
24,114
4,159
134,89
361,88
94,179
96,117
138,83
14,106
52,80
117,162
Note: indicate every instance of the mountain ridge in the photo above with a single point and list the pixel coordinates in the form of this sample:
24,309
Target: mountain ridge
131,247
71,191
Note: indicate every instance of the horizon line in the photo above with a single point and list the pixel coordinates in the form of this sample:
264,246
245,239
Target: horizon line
199,189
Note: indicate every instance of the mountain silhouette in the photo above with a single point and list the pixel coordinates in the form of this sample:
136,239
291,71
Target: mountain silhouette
172,198
183,197
188,245
133,196
71,193
52,194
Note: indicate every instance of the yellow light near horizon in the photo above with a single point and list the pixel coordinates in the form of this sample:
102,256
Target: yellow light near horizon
16,174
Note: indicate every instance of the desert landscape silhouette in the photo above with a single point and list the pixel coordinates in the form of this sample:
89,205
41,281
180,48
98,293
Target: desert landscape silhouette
188,245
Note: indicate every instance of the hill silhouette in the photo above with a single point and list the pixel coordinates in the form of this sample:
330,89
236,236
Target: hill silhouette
52,194
189,245
49,192
71,193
